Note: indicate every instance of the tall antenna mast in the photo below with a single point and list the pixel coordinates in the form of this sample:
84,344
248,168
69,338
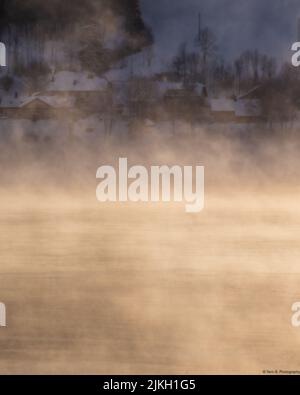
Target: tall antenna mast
199,26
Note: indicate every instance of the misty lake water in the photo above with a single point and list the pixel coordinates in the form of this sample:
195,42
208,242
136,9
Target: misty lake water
95,289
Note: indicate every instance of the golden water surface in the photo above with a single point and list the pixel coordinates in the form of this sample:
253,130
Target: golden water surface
110,289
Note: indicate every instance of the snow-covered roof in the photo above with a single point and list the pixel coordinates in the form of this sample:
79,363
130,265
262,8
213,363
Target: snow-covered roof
55,101
241,108
70,81
248,108
52,101
222,105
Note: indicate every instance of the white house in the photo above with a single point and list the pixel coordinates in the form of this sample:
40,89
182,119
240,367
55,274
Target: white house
238,111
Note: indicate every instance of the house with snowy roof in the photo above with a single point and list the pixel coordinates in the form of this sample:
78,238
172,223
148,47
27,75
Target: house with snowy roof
36,106
39,106
240,110
223,109
89,92
66,93
182,99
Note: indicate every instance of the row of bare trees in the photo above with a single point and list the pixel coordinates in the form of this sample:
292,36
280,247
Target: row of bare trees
206,66
202,62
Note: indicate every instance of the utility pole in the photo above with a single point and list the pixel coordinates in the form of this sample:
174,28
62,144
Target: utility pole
199,26
198,37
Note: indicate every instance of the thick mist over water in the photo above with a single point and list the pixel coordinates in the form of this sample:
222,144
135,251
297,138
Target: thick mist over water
233,158
146,288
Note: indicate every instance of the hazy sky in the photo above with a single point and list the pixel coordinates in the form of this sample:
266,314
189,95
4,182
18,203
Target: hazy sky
269,25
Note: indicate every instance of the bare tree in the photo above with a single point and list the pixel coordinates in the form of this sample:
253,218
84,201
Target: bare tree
206,41
179,63
252,68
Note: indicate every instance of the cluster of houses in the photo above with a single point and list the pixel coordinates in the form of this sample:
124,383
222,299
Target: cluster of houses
64,93
72,94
